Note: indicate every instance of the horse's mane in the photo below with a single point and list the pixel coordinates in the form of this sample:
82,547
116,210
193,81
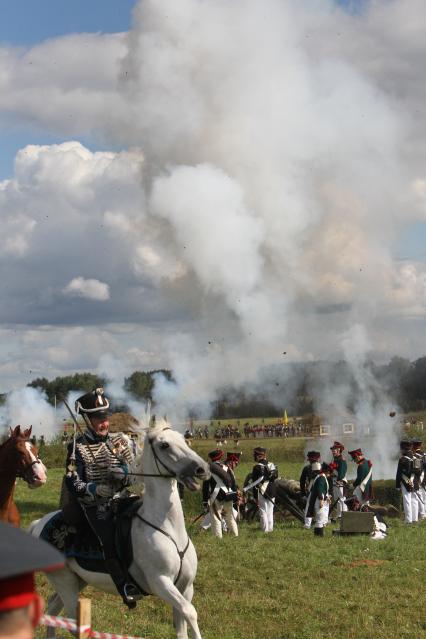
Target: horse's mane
149,422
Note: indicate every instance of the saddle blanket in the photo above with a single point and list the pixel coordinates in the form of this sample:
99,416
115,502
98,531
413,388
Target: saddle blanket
83,544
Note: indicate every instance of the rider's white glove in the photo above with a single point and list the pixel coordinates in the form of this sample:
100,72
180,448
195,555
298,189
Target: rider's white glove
103,490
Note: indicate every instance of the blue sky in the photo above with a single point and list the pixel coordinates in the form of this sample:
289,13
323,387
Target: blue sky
27,22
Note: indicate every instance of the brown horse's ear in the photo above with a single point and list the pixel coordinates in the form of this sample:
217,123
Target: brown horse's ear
16,431
27,432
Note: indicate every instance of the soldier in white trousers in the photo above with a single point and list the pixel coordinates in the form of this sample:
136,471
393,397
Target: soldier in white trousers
264,474
319,497
405,482
219,495
419,461
340,468
306,479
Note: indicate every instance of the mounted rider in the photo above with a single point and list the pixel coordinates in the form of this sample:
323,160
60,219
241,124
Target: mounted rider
97,472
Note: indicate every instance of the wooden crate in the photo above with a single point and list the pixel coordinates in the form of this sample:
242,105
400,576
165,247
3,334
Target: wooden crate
354,522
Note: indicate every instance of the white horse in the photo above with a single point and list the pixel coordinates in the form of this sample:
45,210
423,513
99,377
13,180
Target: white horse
164,558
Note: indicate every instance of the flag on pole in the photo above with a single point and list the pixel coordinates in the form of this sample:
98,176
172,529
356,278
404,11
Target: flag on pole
285,420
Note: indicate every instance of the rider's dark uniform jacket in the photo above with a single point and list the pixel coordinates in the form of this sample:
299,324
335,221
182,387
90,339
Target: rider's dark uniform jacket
405,472
221,484
95,457
260,469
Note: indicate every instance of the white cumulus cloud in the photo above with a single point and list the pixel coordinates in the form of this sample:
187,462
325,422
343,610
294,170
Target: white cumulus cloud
90,289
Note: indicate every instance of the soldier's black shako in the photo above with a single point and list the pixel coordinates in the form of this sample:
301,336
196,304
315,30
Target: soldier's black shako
93,403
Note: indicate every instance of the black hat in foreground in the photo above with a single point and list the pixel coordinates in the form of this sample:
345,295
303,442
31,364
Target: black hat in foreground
94,403
21,555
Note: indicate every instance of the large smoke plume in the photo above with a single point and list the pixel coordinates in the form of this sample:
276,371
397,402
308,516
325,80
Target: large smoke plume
274,170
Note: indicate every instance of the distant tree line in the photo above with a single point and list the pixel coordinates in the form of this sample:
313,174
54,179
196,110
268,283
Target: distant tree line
139,385
298,386
295,386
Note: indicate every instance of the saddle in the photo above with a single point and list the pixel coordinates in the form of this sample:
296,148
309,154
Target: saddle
84,546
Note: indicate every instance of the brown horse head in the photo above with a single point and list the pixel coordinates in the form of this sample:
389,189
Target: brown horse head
20,457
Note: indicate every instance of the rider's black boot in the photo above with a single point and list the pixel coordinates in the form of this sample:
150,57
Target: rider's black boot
129,592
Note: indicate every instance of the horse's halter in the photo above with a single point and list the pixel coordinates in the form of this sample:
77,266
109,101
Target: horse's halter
158,461
24,473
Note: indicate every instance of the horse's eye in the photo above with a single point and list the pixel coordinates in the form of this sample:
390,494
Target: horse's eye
164,445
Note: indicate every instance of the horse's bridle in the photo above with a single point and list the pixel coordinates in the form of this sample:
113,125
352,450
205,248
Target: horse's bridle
158,461
23,474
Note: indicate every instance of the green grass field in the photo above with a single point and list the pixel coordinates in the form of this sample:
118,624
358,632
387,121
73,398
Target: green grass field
286,585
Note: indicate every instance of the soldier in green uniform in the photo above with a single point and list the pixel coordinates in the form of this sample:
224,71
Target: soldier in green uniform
319,498
306,478
340,468
363,484
97,469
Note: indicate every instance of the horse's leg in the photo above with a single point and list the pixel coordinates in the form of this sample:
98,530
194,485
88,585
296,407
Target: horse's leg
54,607
180,624
164,588
178,619
67,586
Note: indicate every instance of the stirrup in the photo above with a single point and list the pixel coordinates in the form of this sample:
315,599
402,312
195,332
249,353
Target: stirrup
131,593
